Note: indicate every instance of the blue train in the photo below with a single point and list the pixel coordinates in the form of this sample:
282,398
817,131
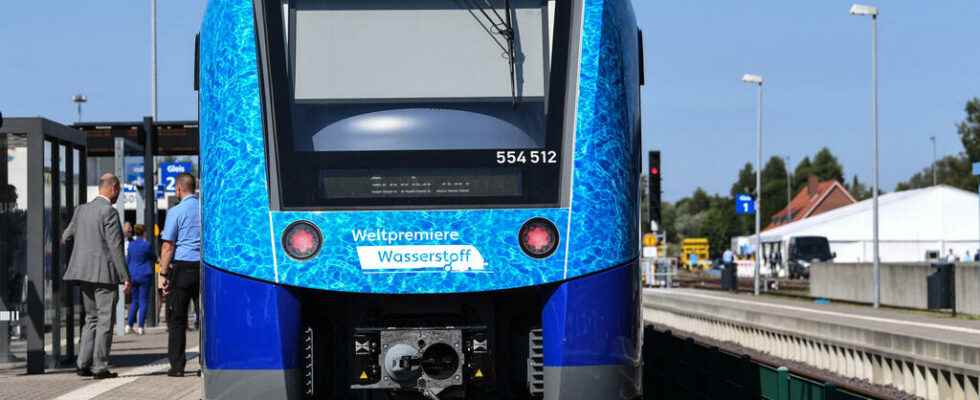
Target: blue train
420,199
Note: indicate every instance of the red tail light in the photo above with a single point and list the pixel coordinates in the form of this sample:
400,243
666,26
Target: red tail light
302,240
538,238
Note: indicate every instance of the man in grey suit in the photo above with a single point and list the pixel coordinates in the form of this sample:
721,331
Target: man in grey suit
98,265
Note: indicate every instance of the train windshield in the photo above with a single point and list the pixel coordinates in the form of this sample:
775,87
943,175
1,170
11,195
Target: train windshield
812,248
438,102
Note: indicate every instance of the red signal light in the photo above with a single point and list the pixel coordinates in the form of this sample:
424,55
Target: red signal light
302,240
538,238
654,171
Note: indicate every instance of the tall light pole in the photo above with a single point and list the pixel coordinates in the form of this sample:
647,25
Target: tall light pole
789,193
153,59
858,9
78,99
934,180
757,80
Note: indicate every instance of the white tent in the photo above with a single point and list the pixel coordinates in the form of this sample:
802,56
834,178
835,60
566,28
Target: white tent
939,218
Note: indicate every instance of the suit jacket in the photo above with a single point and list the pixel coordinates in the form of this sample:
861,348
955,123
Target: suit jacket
97,254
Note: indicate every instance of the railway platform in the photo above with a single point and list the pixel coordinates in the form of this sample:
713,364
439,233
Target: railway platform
929,355
140,361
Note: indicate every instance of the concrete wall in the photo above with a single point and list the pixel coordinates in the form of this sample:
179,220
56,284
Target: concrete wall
968,288
902,284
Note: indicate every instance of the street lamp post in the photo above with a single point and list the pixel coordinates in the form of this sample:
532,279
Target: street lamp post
757,80
79,99
863,10
935,181
789,193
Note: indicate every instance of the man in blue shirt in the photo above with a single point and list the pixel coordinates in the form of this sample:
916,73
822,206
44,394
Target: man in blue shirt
180,267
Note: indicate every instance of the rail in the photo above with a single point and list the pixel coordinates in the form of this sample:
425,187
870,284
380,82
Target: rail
682,368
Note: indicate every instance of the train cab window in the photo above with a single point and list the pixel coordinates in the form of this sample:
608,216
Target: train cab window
398,103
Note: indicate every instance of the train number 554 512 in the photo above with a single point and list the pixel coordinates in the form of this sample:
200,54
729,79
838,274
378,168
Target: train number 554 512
527,157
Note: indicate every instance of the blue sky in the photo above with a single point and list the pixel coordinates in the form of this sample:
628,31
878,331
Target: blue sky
814,56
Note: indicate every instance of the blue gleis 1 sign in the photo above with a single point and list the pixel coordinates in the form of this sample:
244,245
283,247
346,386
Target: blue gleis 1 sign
744,205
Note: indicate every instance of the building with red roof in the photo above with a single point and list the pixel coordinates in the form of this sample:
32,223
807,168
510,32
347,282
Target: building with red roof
816,198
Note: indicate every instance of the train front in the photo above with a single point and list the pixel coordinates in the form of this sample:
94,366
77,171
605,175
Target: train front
425,199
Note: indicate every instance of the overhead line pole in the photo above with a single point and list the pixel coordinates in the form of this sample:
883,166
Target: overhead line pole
757,80
865,10
874,74
935,181
153,61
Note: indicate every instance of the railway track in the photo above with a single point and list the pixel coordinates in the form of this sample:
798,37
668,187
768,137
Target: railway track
704,368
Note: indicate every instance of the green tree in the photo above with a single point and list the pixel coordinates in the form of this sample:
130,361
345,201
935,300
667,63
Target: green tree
699,201
773,188
745,183
953,170
721,224
826,166
969,130
858,189
668,211
688,224
802,172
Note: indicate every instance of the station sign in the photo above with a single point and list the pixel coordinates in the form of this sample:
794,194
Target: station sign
134,173
744,204
169,172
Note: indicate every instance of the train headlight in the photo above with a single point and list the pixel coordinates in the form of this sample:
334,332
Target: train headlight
302,240
538,238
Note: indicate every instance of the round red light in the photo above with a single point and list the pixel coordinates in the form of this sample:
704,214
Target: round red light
301,240
538,238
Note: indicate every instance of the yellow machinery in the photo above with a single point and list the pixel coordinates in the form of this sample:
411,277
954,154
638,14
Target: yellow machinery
695,250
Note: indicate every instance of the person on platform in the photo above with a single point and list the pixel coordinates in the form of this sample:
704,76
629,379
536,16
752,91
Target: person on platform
127,236
728,260
98,265
976,256
951,257
140,260
180,267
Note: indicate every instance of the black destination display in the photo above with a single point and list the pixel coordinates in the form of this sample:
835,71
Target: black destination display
443,182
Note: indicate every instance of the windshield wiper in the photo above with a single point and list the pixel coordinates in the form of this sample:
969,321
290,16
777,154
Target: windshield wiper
501,25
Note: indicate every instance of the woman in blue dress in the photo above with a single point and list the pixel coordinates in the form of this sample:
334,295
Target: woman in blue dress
140,259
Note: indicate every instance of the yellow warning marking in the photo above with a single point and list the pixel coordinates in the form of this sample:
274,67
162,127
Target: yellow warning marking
478,374
364,376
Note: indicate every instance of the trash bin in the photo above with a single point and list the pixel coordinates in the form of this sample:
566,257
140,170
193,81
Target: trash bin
940,288
729,278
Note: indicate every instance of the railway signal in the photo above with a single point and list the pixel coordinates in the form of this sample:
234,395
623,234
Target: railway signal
655,192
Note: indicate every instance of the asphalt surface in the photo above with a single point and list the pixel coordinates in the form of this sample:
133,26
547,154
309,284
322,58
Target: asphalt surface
142,365
140,362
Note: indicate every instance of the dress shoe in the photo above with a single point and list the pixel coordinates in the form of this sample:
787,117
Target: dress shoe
83,371
175,373
104,374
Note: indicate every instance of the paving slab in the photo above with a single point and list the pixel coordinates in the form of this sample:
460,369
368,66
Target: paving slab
140,361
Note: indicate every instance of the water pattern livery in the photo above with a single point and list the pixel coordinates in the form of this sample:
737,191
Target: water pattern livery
239,233
607,134
234,195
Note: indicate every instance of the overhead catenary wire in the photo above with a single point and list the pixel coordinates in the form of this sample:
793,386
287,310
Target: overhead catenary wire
503,25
